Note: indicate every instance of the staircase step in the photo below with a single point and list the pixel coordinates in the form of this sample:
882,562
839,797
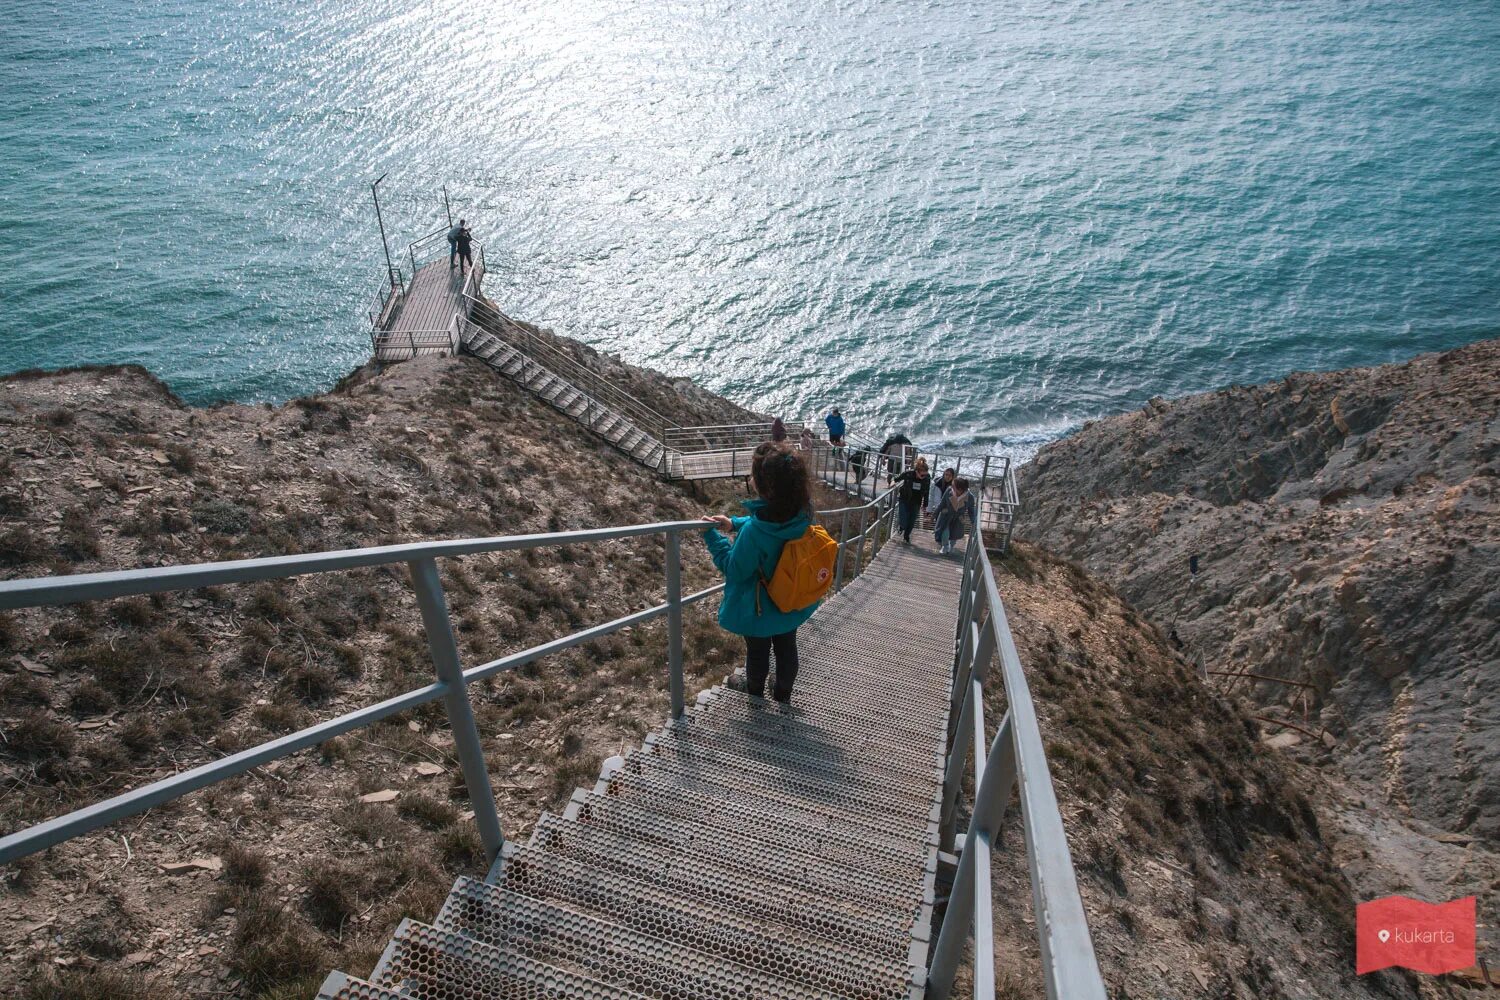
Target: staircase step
735,890
426,962
824,765
607,951
731,701
790,737
901,813
870,874
658,915
715,805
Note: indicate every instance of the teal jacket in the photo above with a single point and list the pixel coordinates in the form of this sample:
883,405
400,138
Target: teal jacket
753,553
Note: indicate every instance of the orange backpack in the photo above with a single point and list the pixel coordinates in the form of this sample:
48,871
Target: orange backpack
804,572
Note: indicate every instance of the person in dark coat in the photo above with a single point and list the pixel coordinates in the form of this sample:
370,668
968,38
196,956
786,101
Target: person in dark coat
896,449
464,243
778,430
453,243
916,483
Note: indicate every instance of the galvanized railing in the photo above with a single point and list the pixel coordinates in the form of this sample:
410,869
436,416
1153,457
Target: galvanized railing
569,369
452,680
1015,761
725,437
384,300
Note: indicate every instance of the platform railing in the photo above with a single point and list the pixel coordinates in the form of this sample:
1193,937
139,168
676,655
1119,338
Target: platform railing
452,680
1015,761
725,437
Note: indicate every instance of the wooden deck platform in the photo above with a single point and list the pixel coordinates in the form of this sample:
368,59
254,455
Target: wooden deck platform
422,322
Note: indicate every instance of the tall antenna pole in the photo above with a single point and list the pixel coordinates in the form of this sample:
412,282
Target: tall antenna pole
447,209
389,267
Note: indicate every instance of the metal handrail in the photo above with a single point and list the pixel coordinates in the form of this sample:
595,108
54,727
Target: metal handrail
643,415
724,437
451,685
1016,759
452,679
595,414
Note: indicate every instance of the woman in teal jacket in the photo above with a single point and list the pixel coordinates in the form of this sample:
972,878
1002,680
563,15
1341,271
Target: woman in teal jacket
781,513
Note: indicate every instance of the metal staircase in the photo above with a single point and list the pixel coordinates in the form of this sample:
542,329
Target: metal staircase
563,383
746,850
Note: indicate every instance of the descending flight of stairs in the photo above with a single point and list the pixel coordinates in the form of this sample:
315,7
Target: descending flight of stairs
747,850
481,340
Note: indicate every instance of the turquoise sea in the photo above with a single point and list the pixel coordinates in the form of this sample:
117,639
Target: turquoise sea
978,222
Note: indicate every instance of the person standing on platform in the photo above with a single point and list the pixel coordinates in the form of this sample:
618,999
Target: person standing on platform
778,430
453,243
464,243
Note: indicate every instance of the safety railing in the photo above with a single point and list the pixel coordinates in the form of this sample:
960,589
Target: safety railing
384,300
595,414
564,366
1015,761
450,686
428,248
724,437
400,345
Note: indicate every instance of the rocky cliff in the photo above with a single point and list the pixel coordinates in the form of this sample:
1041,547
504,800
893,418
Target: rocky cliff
1335,538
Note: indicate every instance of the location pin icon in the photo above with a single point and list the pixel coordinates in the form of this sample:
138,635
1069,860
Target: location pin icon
1384,936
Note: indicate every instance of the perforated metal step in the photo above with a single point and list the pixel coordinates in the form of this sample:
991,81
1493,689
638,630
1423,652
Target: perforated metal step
612,951
717,805
426,963
899,812
654,914
825,860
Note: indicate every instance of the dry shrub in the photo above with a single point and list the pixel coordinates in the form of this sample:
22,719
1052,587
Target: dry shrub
271,947
426,810
86,984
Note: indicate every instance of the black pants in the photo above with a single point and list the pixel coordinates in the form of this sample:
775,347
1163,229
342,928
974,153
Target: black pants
758,664
908,512
465,258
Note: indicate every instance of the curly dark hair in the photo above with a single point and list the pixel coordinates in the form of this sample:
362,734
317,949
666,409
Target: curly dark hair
781,479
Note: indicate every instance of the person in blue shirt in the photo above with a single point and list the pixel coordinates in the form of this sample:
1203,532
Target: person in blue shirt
780,512
836,428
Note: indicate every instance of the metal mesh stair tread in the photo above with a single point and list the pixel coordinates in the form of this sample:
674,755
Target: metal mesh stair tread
427,963
796,953
717,804
912,822
871,929
588,946
617,852
851,790
899,811
476,907
894,876
802,747
775,867
899,729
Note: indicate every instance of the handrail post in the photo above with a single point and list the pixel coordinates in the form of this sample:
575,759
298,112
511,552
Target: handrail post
995,786
838,576
674,622
444,652
859,554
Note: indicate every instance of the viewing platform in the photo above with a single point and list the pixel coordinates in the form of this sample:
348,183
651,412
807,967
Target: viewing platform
425,314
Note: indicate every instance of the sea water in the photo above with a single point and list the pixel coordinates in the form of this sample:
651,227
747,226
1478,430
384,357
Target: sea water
975,222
